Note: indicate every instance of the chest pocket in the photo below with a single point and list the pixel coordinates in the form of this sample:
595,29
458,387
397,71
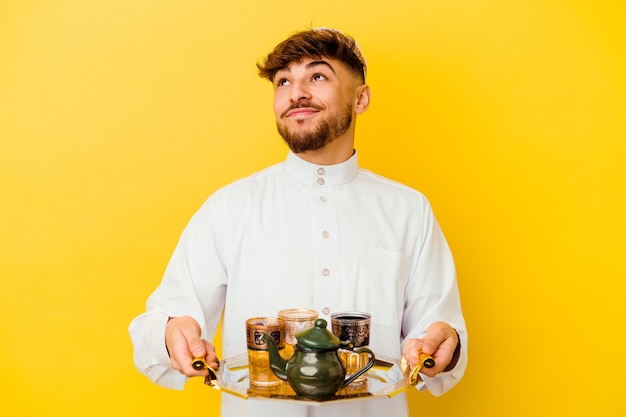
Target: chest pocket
383,275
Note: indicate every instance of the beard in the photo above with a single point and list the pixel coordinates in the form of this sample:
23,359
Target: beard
324,133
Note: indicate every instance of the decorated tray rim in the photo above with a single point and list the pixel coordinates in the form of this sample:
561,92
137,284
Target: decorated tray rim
384,380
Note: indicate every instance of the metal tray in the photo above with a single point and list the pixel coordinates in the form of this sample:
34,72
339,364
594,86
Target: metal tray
384,380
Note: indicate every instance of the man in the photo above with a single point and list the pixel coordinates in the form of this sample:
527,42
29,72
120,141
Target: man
315,231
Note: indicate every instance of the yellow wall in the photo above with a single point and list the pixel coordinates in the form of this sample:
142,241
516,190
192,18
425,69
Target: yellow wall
118,118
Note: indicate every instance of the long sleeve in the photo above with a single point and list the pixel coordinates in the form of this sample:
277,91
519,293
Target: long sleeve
433,295
194,284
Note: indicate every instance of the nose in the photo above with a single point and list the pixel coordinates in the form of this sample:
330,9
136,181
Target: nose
299,91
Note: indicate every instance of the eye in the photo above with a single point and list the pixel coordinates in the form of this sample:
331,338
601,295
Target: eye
318,77
281,81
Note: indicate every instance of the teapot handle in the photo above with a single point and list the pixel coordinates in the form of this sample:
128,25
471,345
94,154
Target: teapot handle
364,369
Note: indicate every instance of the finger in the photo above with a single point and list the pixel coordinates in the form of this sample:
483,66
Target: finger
186,345
195,345
432,340
211,357
443,352
195,349
411,351
436,334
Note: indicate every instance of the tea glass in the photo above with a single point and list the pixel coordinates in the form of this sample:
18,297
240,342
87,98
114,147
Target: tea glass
261,374
296,319
352,327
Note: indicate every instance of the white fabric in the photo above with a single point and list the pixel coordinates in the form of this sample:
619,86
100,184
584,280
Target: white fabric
299,235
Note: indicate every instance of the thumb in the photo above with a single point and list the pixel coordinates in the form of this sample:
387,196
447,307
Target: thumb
196,346
435,335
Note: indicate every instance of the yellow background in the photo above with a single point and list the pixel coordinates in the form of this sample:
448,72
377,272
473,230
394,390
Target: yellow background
118,118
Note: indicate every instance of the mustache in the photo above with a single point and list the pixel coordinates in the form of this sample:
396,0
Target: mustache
301,104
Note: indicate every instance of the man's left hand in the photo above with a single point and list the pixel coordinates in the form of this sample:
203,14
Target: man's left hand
441,342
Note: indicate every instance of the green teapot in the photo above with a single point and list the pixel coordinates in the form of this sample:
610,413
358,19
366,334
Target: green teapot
315,369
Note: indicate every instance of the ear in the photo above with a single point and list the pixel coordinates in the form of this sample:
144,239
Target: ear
363,97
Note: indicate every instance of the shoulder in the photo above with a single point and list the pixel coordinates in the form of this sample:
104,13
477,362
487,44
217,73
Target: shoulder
389,187
246,187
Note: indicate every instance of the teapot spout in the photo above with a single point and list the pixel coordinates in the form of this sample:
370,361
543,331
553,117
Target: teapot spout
278,365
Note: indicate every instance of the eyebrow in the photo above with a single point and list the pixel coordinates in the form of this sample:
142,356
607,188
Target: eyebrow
317,63
308,66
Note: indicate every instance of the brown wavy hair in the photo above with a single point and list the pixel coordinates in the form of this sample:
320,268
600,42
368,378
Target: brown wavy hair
314,43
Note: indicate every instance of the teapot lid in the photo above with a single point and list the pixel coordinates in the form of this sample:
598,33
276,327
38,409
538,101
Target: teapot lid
318,337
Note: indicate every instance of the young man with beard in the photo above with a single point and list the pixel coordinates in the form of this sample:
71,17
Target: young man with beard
315,231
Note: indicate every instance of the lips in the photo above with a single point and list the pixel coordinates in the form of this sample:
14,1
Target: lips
301,109
301,112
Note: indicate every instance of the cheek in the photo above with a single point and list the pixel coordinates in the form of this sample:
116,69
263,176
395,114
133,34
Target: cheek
279,106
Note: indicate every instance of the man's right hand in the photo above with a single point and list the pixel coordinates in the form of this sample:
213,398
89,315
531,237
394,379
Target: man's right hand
182,339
